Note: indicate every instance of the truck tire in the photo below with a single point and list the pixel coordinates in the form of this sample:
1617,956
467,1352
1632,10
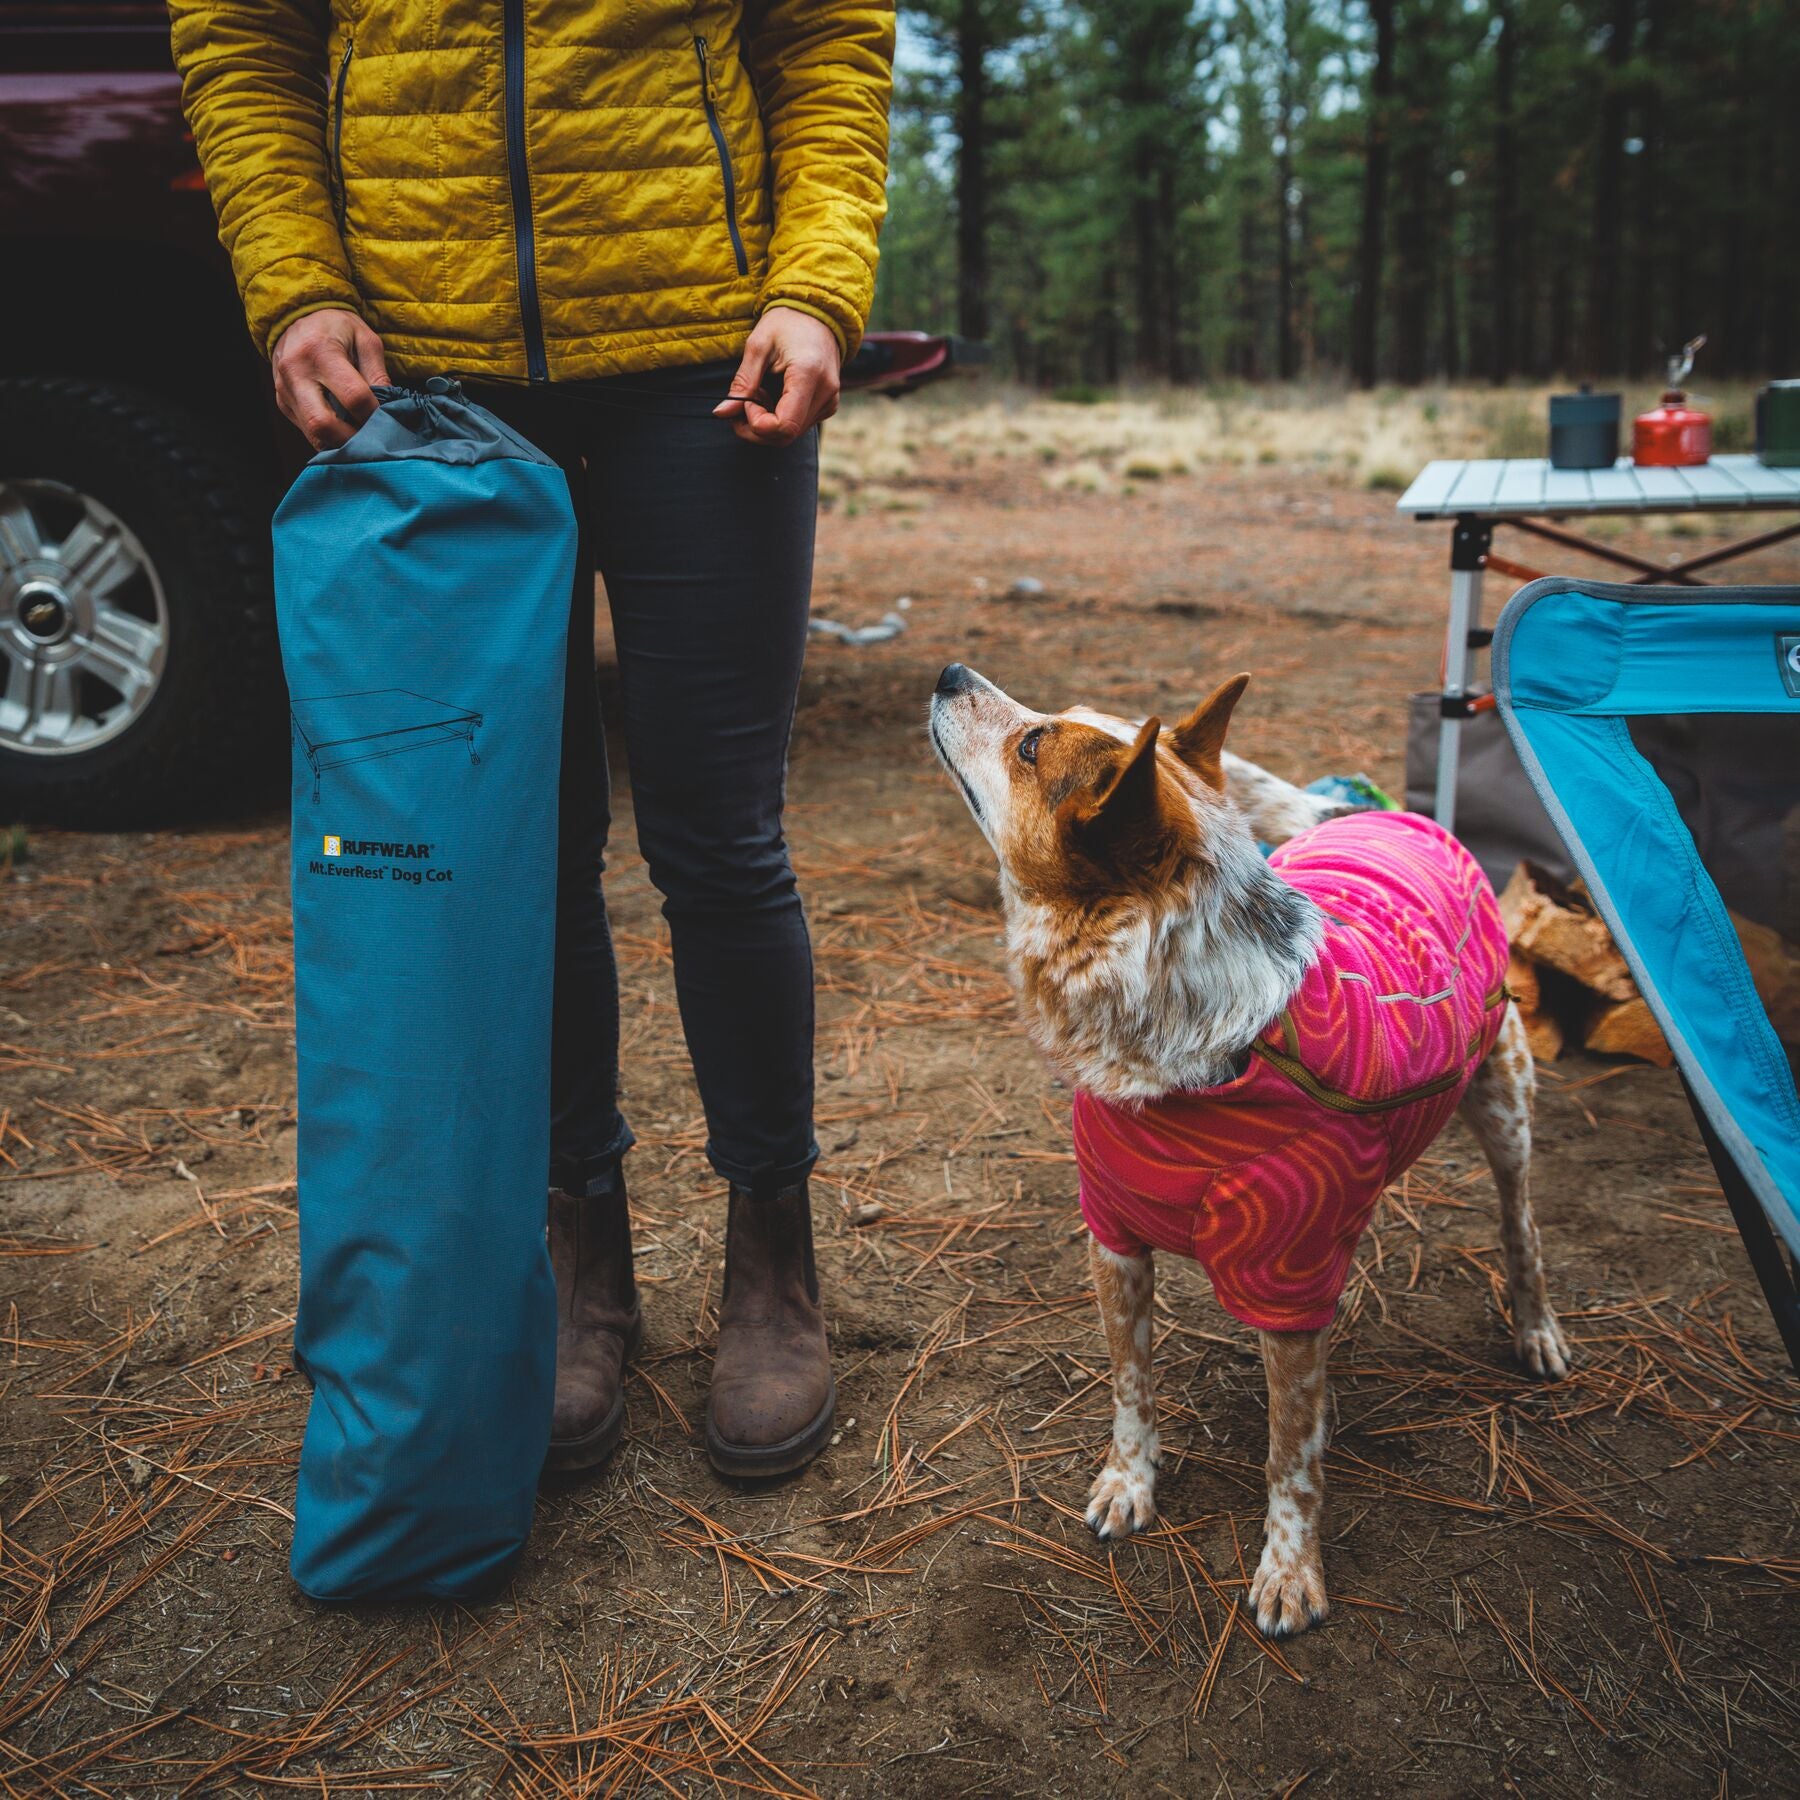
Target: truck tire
139,678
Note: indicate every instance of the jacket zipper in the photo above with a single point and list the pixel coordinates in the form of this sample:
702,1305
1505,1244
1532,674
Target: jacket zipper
340,202
710,98
512,39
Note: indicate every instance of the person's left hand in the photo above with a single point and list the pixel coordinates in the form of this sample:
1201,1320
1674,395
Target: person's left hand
804,353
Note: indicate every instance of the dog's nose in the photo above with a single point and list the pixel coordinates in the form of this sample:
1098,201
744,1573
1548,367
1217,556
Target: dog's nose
955,680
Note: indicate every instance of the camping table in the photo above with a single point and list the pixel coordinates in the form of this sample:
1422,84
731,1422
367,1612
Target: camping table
336,729
1526,493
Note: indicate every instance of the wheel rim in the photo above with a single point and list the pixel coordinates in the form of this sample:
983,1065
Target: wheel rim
84,622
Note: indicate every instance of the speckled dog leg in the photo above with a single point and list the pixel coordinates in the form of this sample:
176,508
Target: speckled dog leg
1123,1499
1497,1108
1288,1589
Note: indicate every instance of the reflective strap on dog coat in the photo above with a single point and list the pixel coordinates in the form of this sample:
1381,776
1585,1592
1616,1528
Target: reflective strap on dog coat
1289,1061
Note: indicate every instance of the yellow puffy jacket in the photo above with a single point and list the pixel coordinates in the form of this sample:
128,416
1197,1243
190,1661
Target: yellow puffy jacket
551,189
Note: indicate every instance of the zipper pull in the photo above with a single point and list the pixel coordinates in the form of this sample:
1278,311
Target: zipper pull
706,74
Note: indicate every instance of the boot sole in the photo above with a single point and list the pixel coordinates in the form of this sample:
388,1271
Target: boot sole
751,1462
592,1448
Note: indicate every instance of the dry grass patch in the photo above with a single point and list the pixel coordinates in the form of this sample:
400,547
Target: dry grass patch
1377,440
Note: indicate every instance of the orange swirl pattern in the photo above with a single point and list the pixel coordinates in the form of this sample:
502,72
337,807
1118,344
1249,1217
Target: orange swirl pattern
1264,1185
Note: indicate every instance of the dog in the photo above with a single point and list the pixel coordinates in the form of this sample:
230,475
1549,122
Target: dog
1258,1047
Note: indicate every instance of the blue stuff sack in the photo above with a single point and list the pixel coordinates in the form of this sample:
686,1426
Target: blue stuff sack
422,580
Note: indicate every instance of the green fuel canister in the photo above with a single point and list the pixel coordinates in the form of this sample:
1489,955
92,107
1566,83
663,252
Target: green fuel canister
1778,425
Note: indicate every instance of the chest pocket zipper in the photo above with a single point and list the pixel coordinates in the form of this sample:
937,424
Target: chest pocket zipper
709,97
340,204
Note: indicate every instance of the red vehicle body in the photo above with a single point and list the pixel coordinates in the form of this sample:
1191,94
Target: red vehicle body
140,449
103,211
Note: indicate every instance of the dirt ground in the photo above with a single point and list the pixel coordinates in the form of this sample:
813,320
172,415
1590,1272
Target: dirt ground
1586,1589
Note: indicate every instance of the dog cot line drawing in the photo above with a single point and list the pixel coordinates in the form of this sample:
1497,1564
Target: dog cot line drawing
334,730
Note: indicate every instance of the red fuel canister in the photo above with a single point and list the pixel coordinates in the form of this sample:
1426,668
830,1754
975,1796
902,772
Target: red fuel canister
1673,435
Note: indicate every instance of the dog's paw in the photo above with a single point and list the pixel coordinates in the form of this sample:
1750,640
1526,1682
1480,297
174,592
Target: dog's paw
1288,1591
1123,1498
1542,1348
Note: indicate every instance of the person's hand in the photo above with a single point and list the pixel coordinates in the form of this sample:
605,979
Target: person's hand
328,356
803,352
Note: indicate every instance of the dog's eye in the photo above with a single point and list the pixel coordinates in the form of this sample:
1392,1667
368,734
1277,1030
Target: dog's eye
1028,745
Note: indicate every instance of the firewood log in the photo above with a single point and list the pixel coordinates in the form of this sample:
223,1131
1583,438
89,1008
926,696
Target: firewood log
1522,980
1626,1028
1775,969
1544,1035
1543,1032
1520,899
1560,933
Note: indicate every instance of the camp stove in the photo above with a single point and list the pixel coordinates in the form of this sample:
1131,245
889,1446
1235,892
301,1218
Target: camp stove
1674,435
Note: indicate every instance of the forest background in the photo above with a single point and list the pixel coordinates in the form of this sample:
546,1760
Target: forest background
1388,191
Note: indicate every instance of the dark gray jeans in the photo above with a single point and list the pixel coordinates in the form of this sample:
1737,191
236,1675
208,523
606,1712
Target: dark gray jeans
705,544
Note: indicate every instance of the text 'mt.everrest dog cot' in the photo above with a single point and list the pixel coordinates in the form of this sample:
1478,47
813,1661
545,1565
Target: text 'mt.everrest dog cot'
422,580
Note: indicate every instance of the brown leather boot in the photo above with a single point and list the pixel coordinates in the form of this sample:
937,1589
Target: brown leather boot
772,1398
599,1325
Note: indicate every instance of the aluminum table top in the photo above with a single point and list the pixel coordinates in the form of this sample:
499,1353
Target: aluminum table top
1527,487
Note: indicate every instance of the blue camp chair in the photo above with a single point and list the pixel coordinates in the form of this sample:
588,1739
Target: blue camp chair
1661,728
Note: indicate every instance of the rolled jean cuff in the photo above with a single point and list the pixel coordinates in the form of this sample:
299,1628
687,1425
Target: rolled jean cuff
589,1175
765,1181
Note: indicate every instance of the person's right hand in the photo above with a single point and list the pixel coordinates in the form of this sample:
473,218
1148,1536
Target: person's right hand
331,353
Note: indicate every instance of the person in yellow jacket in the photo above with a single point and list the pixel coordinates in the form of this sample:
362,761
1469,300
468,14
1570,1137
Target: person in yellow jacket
651,229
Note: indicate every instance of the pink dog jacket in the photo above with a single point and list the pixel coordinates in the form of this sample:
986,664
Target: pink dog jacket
1268,1181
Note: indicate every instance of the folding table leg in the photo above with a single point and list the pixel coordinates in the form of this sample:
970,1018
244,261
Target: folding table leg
1468,546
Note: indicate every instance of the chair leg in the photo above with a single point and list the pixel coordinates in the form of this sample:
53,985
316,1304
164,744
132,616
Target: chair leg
1777,1274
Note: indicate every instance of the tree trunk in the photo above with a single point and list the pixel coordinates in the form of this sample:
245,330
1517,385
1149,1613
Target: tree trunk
1247,358
1306,305
1366,321
1450,360
1147,259
1412,255
1285,362
1506,246
1641,341
1562,319
1169,273
1784,203
971,171
1601,356
1734,300
1109,326
1417,221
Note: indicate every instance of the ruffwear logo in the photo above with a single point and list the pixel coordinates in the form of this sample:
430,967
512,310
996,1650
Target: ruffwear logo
1787,659
343,846
385,860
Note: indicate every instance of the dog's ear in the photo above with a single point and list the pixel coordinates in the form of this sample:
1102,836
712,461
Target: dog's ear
1200,737
1129,796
